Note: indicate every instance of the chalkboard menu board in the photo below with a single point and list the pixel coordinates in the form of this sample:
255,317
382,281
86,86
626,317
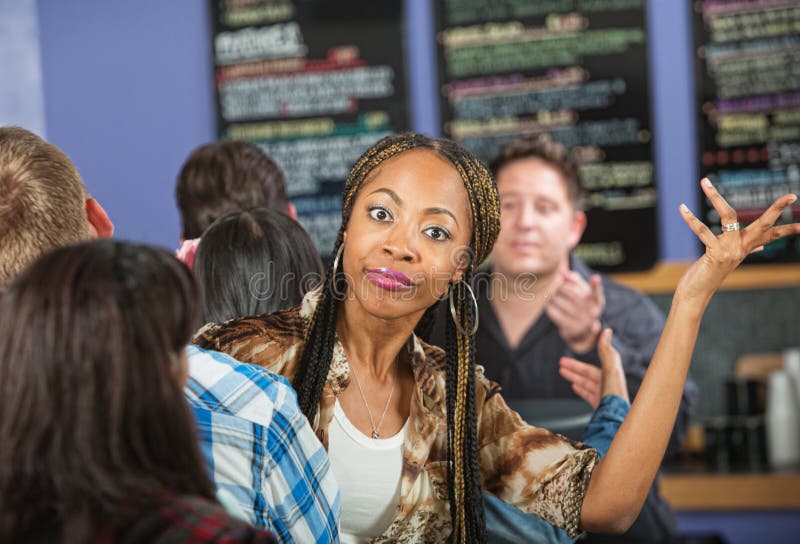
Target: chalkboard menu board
577,69
314,83
748,77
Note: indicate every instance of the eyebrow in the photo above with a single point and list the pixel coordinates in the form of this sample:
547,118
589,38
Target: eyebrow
441,211
427,211
392,195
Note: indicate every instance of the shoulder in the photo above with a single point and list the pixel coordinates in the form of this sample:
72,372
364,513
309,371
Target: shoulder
221,384
269,340
275,326
621,293
432,373
619,298
196,519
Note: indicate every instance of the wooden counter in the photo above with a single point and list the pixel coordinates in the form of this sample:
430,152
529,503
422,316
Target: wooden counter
664,277
733,491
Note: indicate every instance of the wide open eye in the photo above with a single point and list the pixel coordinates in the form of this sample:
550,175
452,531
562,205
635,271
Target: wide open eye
437,233
379,213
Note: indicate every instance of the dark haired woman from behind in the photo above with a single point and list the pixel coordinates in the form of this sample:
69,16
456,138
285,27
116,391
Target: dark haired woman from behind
98,443
255,262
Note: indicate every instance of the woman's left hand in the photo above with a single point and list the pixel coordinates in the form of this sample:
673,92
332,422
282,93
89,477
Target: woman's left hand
726,251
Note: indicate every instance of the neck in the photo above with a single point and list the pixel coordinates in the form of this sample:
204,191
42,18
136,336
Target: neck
509,290
372,343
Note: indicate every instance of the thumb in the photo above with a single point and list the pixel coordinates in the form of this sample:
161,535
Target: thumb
613,374
596,284
608,354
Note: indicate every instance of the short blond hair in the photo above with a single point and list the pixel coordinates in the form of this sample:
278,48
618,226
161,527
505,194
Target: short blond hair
42,201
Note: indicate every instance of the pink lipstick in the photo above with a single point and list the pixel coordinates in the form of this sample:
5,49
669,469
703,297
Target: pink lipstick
391,280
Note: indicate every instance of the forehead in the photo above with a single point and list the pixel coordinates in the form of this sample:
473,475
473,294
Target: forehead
532,177
420,177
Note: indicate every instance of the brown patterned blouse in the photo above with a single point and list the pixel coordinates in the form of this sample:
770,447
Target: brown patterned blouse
531,468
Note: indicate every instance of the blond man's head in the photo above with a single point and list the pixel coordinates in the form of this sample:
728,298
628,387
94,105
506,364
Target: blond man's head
43,202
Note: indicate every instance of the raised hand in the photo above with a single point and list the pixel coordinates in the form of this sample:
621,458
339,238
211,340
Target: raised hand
726,251
616,491
575,309
592,383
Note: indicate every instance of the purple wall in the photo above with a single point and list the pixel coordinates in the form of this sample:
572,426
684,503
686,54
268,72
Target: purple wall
128,94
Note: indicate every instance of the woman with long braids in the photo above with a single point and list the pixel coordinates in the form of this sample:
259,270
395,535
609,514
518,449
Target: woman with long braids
417,434
97,443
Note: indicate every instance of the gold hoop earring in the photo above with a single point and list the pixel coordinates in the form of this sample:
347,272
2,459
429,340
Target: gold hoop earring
453,310
336,259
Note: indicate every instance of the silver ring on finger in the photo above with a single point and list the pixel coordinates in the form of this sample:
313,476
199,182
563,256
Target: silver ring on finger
730,227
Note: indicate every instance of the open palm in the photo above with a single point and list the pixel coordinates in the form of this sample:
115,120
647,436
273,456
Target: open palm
725,252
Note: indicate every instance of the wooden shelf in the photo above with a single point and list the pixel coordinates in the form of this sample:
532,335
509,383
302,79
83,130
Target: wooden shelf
663,278
767,491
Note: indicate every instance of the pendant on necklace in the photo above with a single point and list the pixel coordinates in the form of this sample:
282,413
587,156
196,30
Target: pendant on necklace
375,434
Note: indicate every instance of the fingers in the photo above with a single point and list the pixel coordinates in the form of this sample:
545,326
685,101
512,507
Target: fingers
726,213
586,379
697,226
572,291
579,370
768,218
781,231
609,356
613,374
592,397
596,283
557,311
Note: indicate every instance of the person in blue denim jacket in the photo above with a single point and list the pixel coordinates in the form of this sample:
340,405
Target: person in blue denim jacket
509,525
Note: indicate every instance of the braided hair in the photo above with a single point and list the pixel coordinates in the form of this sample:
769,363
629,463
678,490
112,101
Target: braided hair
465,491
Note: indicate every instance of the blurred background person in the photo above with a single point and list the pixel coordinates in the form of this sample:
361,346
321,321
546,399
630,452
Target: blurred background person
222,177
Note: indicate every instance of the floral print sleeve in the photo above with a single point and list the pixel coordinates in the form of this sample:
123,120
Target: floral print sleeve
531,468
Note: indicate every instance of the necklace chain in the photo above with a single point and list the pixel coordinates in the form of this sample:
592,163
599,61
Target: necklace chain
375,428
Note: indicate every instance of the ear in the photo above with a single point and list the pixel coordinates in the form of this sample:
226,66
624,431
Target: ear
99,223
576,228
462,263
292,211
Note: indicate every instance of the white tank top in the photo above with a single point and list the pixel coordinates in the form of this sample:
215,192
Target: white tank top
368,473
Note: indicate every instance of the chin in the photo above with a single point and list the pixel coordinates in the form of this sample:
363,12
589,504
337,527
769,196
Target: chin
525,264
387,304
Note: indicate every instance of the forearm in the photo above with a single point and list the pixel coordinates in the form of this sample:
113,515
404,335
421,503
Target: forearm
634,377
616,493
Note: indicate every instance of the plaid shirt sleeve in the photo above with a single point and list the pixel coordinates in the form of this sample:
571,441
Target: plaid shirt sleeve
259,447
185,519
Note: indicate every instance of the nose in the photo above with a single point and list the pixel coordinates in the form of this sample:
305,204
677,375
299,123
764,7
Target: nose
527,217
401,244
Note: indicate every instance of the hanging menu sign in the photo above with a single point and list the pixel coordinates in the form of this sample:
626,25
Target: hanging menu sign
314,83
577,69
748,76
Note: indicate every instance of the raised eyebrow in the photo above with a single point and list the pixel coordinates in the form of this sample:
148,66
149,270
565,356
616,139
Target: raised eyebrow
441,211
392,195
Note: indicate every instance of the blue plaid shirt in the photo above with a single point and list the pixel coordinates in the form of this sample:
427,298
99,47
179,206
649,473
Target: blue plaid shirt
259,447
